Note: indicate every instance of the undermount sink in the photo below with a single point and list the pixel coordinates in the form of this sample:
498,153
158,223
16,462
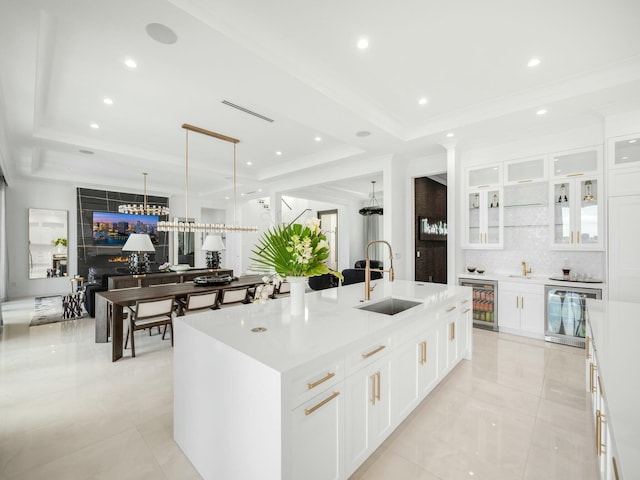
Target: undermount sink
390,306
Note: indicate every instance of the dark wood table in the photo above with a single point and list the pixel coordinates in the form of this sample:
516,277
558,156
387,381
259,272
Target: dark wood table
119,299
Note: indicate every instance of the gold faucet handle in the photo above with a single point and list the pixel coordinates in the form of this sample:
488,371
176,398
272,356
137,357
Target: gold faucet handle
372,287
391,274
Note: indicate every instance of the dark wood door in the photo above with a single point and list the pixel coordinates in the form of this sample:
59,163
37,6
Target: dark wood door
430,225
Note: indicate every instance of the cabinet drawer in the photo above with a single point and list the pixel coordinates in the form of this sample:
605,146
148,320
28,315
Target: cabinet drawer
314,379
366,354
449,308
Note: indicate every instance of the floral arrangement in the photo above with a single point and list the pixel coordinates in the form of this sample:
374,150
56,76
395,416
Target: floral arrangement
262,291
294,250
60,241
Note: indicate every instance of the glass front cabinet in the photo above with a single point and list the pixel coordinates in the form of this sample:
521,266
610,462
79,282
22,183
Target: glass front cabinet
577,219
484,218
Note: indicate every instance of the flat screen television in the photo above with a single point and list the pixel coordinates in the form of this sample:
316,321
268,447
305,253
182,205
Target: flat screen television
112,228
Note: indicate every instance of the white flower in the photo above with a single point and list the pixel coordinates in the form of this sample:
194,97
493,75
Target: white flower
313,224
322,244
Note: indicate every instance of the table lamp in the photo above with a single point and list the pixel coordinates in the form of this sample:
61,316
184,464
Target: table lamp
213,245
138,244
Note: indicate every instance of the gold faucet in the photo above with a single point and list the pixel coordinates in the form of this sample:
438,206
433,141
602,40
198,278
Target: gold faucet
524,269
367,268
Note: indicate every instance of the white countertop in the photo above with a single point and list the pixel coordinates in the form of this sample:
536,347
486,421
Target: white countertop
615,329
532,280
330,322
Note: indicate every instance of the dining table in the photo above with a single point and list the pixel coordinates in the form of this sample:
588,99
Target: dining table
110,305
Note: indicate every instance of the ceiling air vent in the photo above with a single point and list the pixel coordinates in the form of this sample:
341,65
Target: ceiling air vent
246,110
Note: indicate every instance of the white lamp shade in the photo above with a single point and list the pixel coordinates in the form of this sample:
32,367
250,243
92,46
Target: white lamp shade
138,242
213,243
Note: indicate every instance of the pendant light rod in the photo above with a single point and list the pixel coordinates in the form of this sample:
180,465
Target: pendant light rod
145,191
186,174
204,131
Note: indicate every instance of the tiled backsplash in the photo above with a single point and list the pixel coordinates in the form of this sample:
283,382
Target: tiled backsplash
543,262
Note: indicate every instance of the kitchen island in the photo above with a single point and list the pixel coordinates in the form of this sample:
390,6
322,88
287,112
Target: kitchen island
259,393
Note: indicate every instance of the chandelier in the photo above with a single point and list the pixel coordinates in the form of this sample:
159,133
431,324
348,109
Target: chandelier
373,208
187,226
144,209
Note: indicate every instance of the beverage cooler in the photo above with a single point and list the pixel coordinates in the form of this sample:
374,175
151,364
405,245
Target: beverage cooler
485,302
565,314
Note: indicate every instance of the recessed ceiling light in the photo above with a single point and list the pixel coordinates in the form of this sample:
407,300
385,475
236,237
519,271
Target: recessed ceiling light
107,101
318,139
423,101
249,163
363,43
542,111
278,152
450,134
259,189
363,133
131,63
94,125
226,198
633,141
242,194
625,158
534,62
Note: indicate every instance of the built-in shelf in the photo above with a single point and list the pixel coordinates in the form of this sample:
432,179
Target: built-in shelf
546,225
522,205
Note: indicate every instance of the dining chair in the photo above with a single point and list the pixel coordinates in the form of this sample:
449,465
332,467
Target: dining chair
197,301
284,288
155,312
229,296
356,275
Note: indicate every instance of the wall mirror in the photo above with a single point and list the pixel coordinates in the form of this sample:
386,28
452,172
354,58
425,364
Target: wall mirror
48,236
184,244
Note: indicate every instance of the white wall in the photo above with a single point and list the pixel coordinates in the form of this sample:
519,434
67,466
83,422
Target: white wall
22,195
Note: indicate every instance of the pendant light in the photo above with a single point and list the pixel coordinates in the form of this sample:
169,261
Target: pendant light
373,208
144,209
186,226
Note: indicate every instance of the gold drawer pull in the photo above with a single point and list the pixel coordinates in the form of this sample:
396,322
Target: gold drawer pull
600,387
451,309
322,380
464,301
309,411
373,389
575,174
598,433
378,386
525,181
615,468
593,372
423,353
452,331
466,311
373,352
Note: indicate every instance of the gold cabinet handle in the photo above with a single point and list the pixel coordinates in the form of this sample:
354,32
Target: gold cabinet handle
322,380
598,432
309,411
467,310
423,353
522,303
378,386
600,419
525,181
578,237
464,301
587,340
615,468
452,331
571,237
373,389
451,309
517,301
592,386
575,174
600,387
373,352
483,186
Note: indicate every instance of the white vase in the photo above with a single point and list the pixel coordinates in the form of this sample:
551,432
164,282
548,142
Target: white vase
298,289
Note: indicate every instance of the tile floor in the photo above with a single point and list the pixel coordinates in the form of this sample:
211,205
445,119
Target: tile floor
517,411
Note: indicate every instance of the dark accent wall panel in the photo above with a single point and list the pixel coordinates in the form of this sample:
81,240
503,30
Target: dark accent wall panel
431,256
89,201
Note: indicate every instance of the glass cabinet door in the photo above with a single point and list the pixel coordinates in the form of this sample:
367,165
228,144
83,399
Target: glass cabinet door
473,224
493,217
587,229
562,232
525,171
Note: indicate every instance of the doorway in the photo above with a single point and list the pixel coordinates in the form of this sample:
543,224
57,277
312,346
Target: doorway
431,228
329,225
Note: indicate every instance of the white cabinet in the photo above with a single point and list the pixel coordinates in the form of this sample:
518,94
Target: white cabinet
484,176
521,309
484,218
624,258
575,163
526,170
415,369
577,220
624,165
318,429
368,411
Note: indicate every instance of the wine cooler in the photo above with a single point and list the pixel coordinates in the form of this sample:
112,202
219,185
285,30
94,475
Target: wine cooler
485,302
